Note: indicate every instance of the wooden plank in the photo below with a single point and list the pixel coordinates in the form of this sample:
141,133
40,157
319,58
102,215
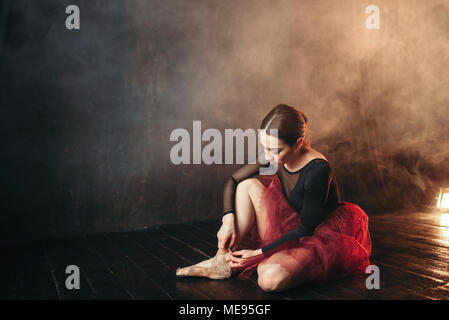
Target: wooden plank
352,288
95,275
147,261
430,234
12,258
413,229
436,293
411,251
403,244
59,254
35,279
428,219
184,255
205,250
155,244
388,290
137,283
411,260
397,275
411,242
101,277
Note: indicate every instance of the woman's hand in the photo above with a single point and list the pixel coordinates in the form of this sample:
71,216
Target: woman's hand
226,235
238,257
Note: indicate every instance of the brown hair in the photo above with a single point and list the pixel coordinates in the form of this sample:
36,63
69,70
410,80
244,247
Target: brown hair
290,123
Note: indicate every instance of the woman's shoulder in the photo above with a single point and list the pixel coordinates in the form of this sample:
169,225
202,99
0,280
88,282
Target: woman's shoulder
318,165
318,171
316,157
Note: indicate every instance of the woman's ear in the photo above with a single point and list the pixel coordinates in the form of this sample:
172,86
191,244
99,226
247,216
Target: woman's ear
299,142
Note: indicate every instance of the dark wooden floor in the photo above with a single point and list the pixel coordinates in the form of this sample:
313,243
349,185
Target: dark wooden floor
411,250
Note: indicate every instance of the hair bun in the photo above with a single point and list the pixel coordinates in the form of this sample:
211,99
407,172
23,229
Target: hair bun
290,122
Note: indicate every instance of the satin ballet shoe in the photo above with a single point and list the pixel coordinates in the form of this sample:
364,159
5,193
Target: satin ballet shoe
214,268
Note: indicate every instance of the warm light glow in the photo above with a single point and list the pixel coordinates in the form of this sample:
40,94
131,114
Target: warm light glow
443,199
444,220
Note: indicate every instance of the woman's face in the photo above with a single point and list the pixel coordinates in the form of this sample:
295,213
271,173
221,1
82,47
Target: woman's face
276,151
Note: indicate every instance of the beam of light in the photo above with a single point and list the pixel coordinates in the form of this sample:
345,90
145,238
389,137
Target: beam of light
444,222
443,206
443,199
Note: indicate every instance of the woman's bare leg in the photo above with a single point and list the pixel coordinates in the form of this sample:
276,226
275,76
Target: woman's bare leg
248,207
274,275
247,202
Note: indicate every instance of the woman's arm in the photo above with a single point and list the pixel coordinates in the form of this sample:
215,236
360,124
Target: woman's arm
314,209
227,231
230,185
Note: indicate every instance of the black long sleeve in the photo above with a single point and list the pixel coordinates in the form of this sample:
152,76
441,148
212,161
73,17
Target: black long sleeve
230,185
317,184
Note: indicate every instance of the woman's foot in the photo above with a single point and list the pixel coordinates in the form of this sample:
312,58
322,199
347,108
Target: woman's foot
214,268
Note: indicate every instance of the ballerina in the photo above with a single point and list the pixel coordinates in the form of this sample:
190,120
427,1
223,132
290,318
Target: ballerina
297,227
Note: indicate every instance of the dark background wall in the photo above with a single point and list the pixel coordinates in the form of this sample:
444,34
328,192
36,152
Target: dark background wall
86,115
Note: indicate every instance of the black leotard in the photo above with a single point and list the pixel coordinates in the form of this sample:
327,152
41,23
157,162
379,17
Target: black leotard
312,191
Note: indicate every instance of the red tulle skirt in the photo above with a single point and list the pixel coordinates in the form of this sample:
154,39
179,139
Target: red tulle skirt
340,245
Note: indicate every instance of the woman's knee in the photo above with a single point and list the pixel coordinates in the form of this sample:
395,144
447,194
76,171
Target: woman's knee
246,185
274,278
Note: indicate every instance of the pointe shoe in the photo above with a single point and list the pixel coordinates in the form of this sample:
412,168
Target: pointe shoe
214,268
